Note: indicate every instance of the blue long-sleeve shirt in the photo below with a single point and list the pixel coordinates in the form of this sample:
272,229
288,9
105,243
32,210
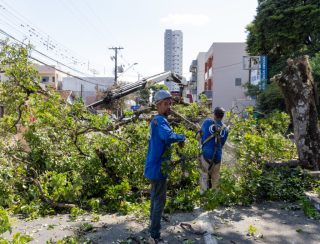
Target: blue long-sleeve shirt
160,139
212,149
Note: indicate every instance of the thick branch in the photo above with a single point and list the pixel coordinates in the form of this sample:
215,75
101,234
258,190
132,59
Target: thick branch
290,164
190,124
109,170
19,116
38,185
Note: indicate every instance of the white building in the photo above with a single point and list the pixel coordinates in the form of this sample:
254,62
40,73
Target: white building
220,75
173,51
196,83
49,76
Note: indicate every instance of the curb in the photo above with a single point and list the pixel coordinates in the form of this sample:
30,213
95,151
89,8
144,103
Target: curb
313,197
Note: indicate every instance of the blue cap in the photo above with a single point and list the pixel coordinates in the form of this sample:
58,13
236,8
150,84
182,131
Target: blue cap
161,95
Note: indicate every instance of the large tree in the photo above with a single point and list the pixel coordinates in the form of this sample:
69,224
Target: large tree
300,94
284,29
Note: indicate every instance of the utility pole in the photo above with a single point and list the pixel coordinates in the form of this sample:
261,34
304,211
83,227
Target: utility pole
115,63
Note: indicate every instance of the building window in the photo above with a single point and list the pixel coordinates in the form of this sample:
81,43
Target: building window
238,81
45,79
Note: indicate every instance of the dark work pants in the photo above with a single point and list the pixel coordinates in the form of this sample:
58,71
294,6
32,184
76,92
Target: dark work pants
158,200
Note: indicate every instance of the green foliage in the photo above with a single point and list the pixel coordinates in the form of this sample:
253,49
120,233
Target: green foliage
4,221
94,204
203,98
271,99
75,212
309,209
5,226
62,187
252,90
143,96
68,155
283,29
284,184
252,230
157,87
71,240
116,197
194,112
263,141
85,227
184,200
228,194
315,64
317,188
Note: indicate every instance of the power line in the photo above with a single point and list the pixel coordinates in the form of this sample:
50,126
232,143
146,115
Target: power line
79,78
225,66
97,17
12,37
88,20
128,63
34,30
216,68
53,67
39,36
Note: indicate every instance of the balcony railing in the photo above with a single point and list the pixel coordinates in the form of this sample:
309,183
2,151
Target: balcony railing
208,94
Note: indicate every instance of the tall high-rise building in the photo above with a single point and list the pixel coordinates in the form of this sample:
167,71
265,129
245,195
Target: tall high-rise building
173,47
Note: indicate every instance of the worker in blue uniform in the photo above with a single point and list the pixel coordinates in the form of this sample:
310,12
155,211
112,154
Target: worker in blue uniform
213,136
158,159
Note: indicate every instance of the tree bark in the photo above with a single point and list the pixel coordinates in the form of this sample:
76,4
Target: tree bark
298,87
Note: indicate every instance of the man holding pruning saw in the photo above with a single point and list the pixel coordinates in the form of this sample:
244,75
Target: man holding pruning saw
214,134
158,159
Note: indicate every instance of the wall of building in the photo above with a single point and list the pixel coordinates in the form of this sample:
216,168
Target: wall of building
200,73
227,75
49,75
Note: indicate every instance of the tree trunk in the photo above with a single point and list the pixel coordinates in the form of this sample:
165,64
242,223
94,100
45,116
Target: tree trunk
298,87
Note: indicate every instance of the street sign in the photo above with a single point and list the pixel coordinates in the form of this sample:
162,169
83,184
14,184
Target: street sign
135,107
258,68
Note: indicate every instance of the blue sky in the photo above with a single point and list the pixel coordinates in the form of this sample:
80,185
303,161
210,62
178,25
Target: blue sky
85,29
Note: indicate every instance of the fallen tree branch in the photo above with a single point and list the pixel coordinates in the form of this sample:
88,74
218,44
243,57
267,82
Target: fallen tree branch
48,200
43,196
290,164
191,125
19,116
107,168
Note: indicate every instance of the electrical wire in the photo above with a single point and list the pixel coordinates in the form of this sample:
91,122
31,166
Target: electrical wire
88,20
57,69
219,67
42,38
77,77
21,43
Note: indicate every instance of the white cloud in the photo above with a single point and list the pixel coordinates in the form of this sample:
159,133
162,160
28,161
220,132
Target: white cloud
185,19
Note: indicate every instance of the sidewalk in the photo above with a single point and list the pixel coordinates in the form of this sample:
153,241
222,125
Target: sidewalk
274,222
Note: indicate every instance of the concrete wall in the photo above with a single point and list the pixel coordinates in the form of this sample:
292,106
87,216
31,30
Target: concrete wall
227,66
200,73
